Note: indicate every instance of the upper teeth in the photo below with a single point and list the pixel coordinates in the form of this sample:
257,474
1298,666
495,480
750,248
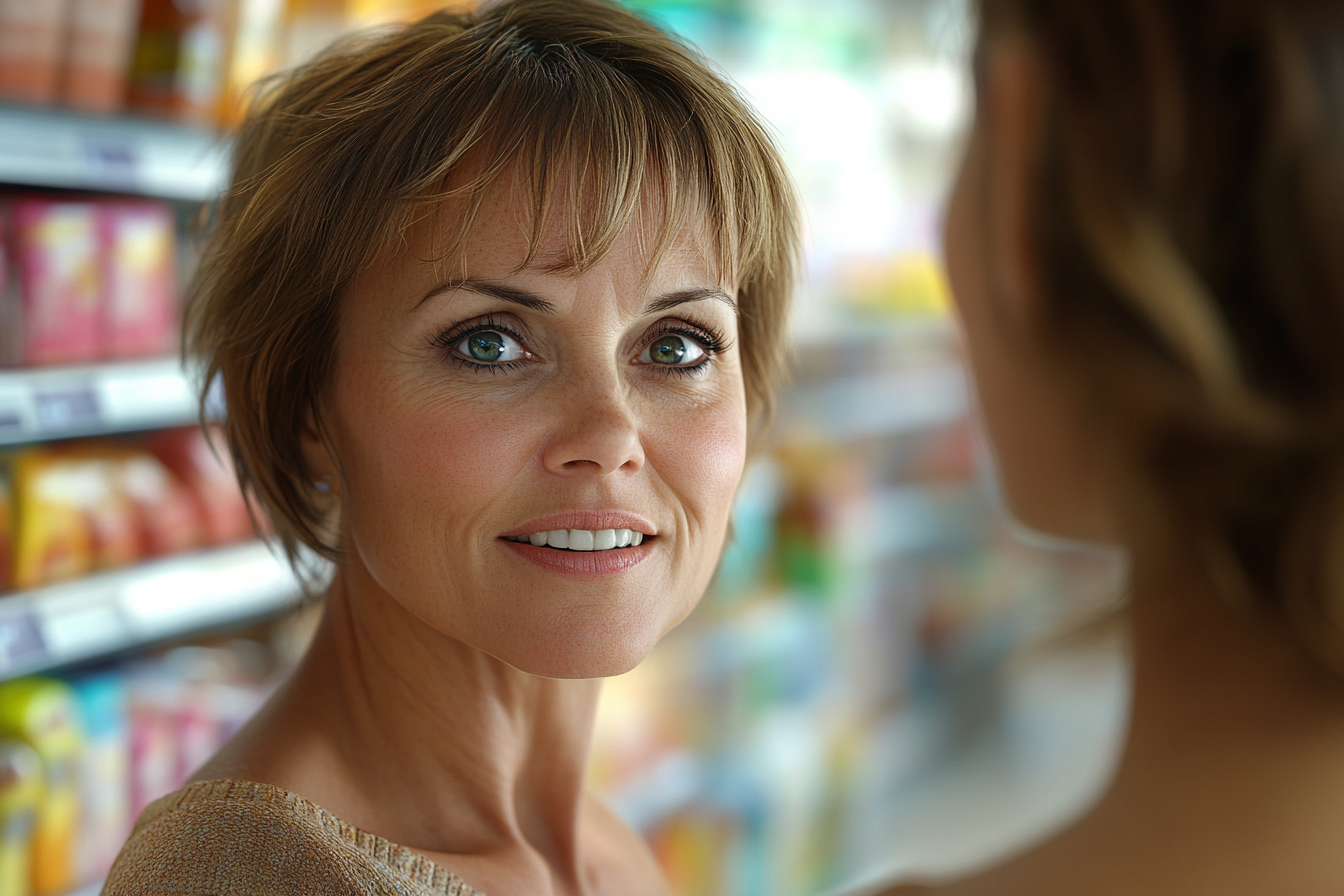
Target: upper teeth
582,539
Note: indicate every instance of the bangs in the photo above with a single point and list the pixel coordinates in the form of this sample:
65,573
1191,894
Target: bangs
604,145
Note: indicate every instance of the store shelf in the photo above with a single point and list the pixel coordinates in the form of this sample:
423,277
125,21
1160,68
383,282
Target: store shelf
909,400
52,148
69,402
113,612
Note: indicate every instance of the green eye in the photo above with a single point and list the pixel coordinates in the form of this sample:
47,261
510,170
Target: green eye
490,347
668,350
487,347
671,350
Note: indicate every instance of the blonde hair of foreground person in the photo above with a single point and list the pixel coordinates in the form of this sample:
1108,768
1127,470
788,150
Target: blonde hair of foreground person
497,300
1146,243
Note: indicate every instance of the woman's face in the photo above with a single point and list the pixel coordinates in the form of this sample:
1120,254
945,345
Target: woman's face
535,463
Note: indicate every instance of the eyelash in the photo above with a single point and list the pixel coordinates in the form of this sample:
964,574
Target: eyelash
448,340
713,341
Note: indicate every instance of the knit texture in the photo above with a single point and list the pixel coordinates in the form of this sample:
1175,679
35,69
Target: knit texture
228,838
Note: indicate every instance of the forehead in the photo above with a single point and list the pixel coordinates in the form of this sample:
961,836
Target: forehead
506,228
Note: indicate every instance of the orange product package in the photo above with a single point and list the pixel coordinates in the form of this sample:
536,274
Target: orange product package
102,34
112,517
31,44
6,530
53,539
170,518
189,454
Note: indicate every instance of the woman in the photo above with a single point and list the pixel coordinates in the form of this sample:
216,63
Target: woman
497,301
1144,244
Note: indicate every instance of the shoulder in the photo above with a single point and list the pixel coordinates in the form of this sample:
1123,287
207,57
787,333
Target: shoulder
233,837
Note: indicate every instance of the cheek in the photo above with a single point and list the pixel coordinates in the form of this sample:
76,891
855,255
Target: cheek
421,465
699,455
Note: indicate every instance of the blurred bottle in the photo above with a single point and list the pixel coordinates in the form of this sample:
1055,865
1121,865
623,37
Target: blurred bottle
177,65
253,43
21,789
101,37
32,35
41,712
311,26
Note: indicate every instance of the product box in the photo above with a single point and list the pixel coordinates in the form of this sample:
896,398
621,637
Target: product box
31,44
22,785
101,37
140,307
6,530
42,713
56,252
110,514
11,303
104,771
53,540
209,473
170,518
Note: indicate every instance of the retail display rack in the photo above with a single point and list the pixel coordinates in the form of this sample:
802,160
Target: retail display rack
115,612
158,601
41,404
55,149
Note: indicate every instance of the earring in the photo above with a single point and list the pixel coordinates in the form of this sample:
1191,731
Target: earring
323,485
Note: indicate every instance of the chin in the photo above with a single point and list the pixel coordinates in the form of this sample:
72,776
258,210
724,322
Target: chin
585,645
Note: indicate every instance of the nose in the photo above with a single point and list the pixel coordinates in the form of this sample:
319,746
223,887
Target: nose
596,432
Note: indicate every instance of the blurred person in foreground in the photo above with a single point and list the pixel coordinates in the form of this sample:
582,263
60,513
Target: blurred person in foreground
497,300
1146,245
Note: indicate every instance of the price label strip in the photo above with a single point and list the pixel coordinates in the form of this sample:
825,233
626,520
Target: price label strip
20,637
70,409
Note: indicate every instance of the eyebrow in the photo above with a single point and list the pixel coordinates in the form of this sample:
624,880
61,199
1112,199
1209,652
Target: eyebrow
682,296
535,302
496,290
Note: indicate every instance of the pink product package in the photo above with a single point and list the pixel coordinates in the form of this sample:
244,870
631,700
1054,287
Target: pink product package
59,279
140,306
11,315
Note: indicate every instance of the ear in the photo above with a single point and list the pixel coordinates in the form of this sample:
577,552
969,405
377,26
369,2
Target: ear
1013,110
318,457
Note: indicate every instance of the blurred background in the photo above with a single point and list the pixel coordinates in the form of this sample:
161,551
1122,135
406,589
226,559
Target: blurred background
885,677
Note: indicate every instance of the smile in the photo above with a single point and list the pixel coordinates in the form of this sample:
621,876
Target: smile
581,539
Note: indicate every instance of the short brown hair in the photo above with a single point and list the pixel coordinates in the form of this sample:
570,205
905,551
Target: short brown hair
338,158
1189,230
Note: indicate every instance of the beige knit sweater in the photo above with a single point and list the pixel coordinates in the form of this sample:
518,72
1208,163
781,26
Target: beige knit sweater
229,838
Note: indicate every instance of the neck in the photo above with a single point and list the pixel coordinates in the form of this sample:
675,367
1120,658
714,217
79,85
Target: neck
436,745
1232,722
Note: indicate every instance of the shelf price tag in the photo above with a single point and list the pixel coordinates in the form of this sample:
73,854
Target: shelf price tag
67,409
111,163
20,637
